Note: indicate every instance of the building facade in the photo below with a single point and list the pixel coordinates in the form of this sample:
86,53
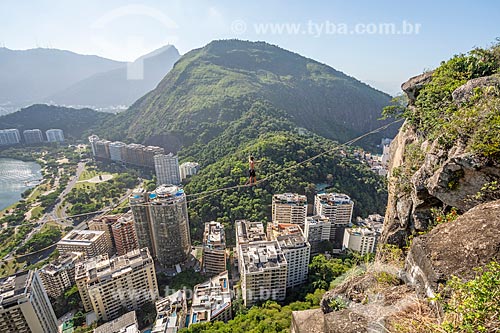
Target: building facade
107,286
32,136
289,208
338,208
214,248
362,240
162,223
171,313
297,252
59,275
116,151
126,323
9,136
263,271
55,135
167,169
188,169
124,235
89,242
25,306
317,230
211,300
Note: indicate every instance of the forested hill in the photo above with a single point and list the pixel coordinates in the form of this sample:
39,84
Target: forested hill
212,86
74,122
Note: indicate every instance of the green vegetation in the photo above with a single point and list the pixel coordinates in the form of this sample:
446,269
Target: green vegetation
275,151
271,317
211,87
74,122
93,197
473,306
41,240
475,122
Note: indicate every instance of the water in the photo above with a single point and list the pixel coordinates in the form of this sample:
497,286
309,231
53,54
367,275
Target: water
15,177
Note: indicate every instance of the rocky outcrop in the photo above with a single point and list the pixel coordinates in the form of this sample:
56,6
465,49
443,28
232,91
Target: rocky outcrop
463,93
414,84
444,178
455,249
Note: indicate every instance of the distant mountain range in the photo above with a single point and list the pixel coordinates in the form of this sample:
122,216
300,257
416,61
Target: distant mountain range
71,79
211,87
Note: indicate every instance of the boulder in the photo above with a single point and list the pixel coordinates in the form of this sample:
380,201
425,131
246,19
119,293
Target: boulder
455,249
463,93
413,86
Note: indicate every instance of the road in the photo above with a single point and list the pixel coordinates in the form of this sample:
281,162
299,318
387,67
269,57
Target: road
52,215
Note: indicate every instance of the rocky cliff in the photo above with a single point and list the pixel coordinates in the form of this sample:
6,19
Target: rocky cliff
443,213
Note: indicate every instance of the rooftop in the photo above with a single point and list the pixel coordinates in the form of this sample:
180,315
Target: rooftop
214,236
247,231
260,256
126,323
63,262
361,232
81,237
290,198
102,268
317,219
334,199
14,287
167,193
170,312
292,241
212,297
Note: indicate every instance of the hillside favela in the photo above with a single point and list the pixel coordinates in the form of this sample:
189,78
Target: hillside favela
249,166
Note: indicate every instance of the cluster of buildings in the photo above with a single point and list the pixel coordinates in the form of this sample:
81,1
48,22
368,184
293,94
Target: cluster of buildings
379,164
114,262
166,166
32,136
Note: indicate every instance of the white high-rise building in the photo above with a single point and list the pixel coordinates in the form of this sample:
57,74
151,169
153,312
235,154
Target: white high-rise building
25,306
317,229
188,169
263,271
9,136
362,240
338,207
167,169
116,151
297,252
55,135
289,208
33,136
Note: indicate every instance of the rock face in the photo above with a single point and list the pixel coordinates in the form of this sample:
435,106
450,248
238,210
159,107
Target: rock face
463,93
455,248
444,178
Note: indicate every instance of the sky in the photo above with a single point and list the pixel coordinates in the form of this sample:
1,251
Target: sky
382,43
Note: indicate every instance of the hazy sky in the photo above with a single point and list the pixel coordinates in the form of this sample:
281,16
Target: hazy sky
379,42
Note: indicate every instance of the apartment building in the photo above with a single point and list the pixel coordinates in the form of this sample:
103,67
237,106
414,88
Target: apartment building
211,300
171,313
105,223
59,275
89,242
106,286
247,231
162,223
263,270
25,306
297,252
362,240
167,169
55,135
214,248
33,136
289,208
188,169
317,230
9,136
338,207
124,235
116,151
